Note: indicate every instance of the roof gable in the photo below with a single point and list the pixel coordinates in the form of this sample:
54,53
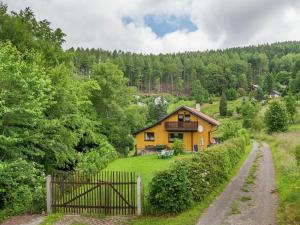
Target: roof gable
195,112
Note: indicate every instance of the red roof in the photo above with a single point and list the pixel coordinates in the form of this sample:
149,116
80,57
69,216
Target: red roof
203,116
191,110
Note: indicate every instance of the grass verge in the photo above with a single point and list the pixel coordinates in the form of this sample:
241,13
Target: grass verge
191,216
52,218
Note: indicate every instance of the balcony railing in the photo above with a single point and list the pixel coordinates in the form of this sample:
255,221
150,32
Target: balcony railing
181,126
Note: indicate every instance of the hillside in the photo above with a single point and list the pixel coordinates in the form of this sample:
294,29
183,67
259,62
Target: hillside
272,66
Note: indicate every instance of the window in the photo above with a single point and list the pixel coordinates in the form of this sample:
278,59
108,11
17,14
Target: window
149,136
173,136
180,117
187,118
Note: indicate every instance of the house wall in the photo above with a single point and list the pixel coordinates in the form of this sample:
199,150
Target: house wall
189,138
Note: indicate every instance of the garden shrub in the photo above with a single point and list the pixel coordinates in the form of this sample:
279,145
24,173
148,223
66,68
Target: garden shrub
169,191
199,175
96,159
178,146
22,188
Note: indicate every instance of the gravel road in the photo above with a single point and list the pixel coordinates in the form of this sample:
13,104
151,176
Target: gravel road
254,205
24,220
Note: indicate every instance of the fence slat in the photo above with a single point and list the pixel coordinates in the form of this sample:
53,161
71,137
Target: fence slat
108,192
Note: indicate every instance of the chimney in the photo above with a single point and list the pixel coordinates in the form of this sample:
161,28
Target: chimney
198,108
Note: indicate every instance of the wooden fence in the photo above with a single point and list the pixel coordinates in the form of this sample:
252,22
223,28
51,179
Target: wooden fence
107,192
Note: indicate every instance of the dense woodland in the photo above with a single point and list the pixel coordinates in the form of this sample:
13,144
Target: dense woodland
272,66
77,109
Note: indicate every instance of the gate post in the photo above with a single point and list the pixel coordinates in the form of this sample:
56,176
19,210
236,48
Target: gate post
49,194
139,195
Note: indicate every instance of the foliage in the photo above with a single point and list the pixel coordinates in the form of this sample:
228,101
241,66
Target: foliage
96,159
26,33
21,188
157,111
259,94
169,191
199,93
190,216
248,113
111,102
223,105
276,117
295,84
297,154
197,177
268,84
291,106
178,146
231,94
230,129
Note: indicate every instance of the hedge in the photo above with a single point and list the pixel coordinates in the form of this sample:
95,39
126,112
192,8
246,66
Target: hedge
189,180
22,188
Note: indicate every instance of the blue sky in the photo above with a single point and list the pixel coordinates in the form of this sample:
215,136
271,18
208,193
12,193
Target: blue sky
164,24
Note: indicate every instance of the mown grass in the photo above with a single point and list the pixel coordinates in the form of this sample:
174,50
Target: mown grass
146,166
287,174
190,216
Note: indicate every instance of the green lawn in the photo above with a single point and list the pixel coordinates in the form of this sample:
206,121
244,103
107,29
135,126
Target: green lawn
146,166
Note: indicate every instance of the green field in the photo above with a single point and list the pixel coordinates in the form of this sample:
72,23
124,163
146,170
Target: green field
146,166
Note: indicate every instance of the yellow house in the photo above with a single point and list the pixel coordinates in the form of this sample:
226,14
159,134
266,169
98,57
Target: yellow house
192,126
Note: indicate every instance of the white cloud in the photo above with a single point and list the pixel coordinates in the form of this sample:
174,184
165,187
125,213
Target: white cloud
220,23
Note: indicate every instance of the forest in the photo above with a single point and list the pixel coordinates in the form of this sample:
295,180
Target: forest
272,66
77,109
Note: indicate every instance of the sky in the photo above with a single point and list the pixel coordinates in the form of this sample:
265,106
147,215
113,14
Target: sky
166,26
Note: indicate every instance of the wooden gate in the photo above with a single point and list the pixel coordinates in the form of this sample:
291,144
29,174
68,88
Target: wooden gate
107,192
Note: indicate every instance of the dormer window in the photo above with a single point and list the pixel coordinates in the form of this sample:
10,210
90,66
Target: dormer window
180,117
187,118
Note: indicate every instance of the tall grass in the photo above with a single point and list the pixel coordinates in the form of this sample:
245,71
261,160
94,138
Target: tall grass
287,175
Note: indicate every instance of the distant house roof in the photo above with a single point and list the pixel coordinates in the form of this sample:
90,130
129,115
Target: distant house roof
274,92
255,86
191,110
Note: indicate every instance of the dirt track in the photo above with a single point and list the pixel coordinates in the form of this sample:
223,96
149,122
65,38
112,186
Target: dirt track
247,204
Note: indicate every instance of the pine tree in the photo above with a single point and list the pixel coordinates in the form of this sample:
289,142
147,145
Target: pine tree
223,105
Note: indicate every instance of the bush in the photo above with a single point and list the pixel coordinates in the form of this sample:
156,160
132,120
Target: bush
231,94
178,146
297,154
169,191
230,130
276,117
21,188
199,175
96,159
